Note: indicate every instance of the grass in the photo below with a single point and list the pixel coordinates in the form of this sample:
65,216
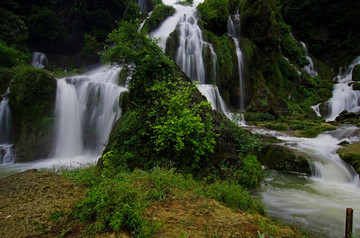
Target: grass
119,201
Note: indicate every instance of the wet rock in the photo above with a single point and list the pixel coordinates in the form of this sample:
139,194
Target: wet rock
325,109
351,154
279,157
348,117
344,142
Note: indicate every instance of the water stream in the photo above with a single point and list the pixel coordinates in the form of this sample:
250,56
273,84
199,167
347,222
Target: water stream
318,201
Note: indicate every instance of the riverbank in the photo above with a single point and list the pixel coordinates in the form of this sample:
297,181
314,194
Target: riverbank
34,204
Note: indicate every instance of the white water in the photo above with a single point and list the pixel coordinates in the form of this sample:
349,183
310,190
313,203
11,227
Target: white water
39,60
87,107
7,154
310,67
233,27
344,97
317,202
211,92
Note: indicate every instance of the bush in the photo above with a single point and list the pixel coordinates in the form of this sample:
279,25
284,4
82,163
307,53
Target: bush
118,202
215,14
233,196
10,57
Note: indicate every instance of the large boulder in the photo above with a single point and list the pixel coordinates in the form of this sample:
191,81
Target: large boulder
266,102
32,103
282,158
351,154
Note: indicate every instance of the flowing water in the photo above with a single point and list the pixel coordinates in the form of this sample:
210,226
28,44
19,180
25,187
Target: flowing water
7,154
87,106
39,60
317,202
310,67
233,27
344,97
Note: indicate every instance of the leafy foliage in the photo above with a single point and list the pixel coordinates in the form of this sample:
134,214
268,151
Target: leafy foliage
164,125
215,14
10,57
13,30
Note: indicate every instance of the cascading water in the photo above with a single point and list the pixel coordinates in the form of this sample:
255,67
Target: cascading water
233,28
87,108
317,202
189,54
7,154
39,60
310,67
344,97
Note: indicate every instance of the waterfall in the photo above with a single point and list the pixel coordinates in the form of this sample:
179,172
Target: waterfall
189,55
86,107
7,154
233,28
344,97
211,92
39,60
310,67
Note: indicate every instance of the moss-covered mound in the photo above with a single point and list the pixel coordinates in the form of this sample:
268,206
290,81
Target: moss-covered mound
32,103
351,154
279,157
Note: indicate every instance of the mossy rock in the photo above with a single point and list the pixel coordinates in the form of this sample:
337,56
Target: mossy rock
266,102
351,154
172,44
32,103
285,159
356,86
356,73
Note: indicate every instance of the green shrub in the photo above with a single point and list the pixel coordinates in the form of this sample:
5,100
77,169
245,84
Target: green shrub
233,196
118,202
10,57
6,75
215,14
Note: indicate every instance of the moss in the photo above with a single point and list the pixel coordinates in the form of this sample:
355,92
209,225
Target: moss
172,44
356,86
356,73
160,13
6,75
316,130
351,154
